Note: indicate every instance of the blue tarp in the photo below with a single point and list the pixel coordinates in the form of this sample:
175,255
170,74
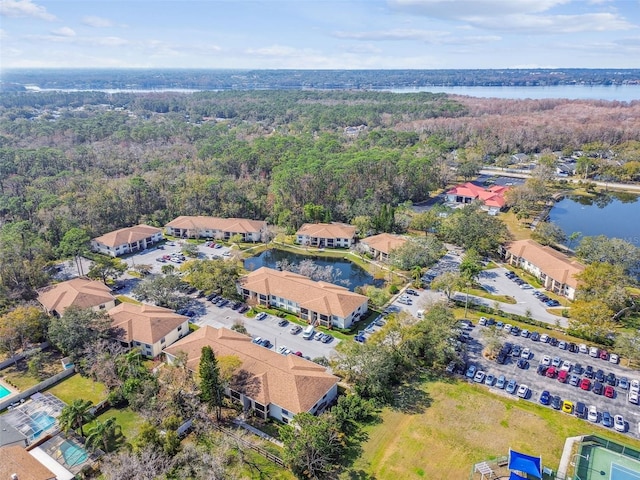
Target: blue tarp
525,464
515,476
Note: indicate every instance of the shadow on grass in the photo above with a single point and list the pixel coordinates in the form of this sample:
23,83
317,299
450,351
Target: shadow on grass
411,399
358,475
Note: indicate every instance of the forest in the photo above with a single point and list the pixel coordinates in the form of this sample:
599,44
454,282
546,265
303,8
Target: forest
99,161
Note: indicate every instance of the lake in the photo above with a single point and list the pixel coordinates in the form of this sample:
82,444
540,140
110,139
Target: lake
352,275
622,93
616,215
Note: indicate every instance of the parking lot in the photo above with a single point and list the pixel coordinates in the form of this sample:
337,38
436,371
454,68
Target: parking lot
209,314
151,255
618,405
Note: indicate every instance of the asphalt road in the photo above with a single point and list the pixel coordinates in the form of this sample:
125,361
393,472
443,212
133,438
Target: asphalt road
617,405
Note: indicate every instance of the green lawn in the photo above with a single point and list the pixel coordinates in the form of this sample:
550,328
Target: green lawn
128,420
77,386
480,292
452,424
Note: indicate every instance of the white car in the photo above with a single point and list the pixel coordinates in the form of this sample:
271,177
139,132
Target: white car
546,360
282,349
634,386
592,414
594,352
523,391
583,348
619,423
482,321
507,328
526,353
544,338
634,398
556,362
479,377
613,358
566,366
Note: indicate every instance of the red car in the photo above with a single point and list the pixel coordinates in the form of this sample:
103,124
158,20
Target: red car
604,355
609,391
551,372
562,376
585,384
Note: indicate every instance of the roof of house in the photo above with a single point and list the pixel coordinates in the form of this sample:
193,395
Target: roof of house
9,434
80,292
127,235
322,297
144,323
327,230
492,197
290,382
551,262
15,459
384,242
234,225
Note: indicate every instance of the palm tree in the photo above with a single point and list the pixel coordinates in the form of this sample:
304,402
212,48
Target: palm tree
416,273
74,416
103,433
130,364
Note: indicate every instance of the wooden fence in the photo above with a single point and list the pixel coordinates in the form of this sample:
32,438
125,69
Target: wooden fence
257,448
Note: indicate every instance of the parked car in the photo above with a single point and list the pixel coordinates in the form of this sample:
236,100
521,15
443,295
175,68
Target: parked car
599,375
573,348
556,402
594,352
607,419
623,383
517,350
604,355
500,382
582,348
563,376
471,371
523,391
598,388
577,369
535,336
545,398
283,322
610,379
551,372
567,406
592,414
523,364
490,380
613,358
526,353
318,336
609,391
619,424
542,370
581,410
562,345
585,384
544,338
479,376
556,362
546,360
261,316
588,372
511,386
574,381
501,358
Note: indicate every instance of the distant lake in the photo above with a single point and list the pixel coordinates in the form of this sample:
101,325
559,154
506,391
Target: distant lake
615,215
352,275
622,93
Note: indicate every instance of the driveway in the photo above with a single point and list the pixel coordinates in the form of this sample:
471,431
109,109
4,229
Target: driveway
537,383
150,256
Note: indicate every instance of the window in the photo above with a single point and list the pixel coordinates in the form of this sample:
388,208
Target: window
102,307
162,341
285,412
180,328
259,407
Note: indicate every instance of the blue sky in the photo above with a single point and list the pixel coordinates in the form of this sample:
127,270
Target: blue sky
320,34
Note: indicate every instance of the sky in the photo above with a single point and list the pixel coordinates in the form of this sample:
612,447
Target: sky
320,34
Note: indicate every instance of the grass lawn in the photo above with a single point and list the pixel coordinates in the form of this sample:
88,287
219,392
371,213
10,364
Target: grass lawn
465,424
128,420
519,230
125,299
77,386
480,292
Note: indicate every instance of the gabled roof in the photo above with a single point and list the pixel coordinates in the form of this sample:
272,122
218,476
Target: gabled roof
327,230
234,225
492,197
80,292
127,235
15,459
322,297
144,323
9,434
384,242
550,262
290,382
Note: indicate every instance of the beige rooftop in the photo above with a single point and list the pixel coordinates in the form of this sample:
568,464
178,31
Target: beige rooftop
127,235
235,225
321,297
551,262
384,242
290,382
15,459
327,230
144,323
80,292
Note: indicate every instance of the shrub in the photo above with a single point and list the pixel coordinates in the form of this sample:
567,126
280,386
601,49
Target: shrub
393,289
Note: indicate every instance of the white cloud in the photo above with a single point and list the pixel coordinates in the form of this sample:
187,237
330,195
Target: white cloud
553,24
460,9
64,32
428,36
108,41
278,51
24,8
97,22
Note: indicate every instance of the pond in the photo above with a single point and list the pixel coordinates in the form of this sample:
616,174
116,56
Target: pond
615,215
349,274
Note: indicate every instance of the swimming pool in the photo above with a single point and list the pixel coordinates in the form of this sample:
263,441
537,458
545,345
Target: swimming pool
4,391
73,453
41,422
